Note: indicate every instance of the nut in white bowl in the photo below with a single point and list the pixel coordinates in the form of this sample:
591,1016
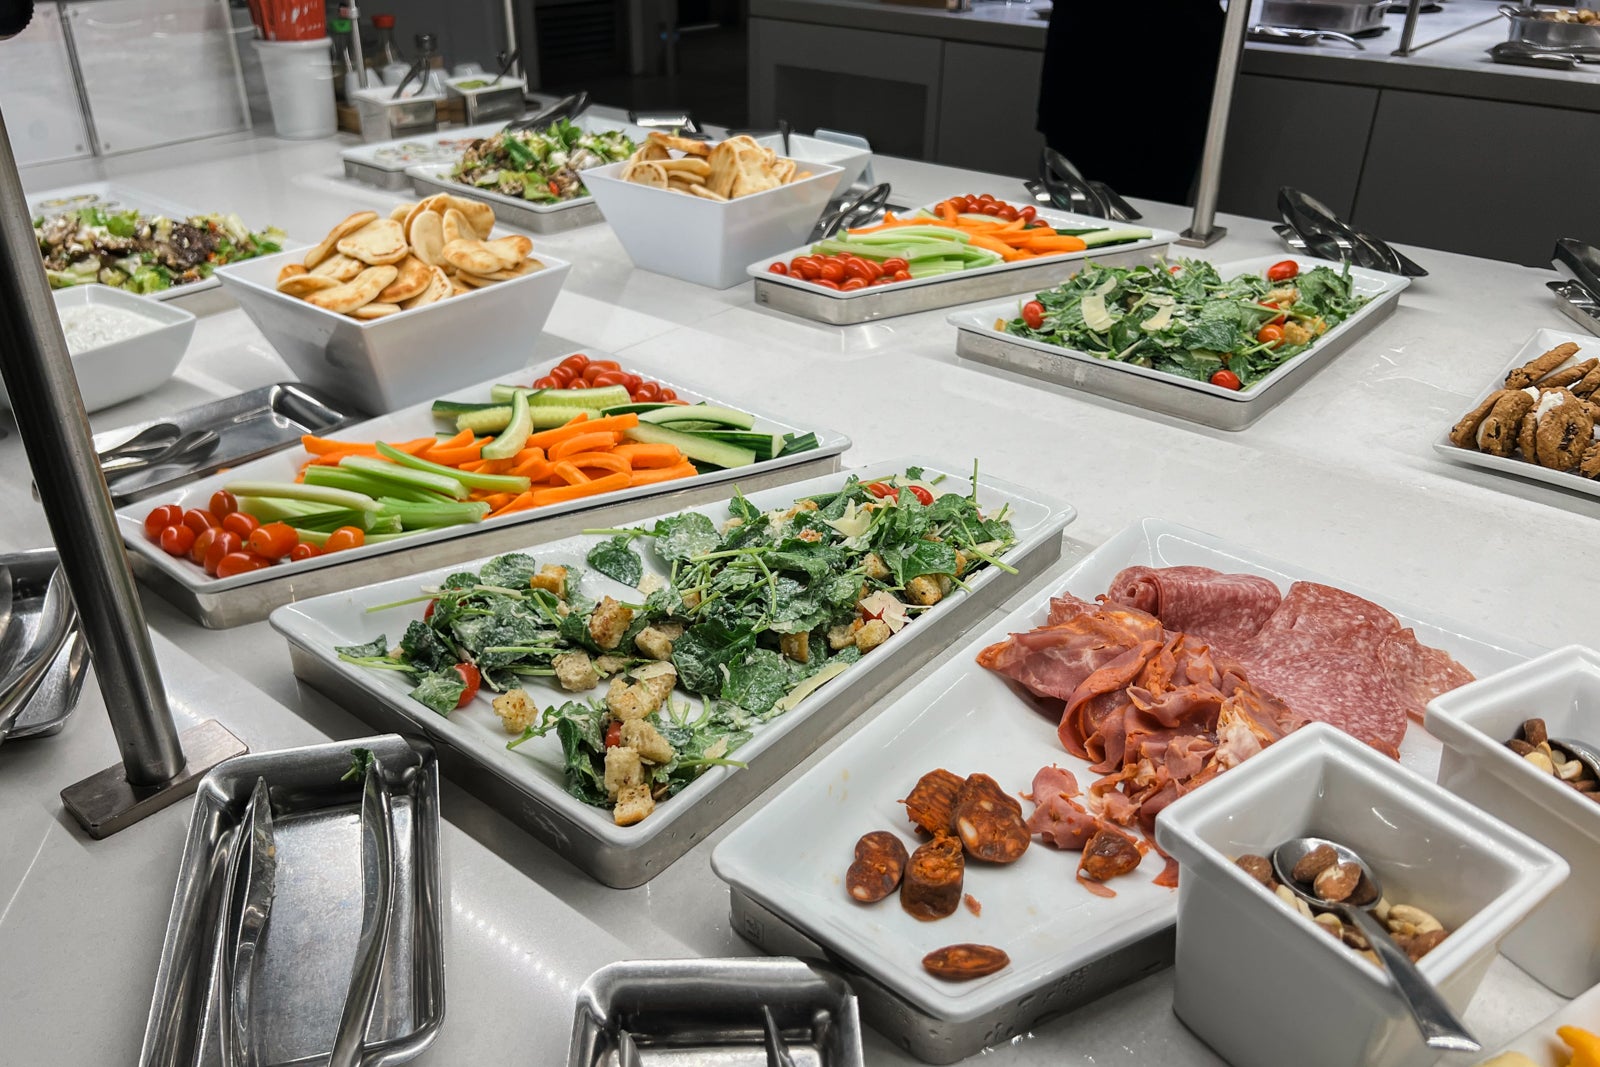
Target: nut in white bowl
1557,945
1262,985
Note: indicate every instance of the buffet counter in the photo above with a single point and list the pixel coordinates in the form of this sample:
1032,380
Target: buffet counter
1341,477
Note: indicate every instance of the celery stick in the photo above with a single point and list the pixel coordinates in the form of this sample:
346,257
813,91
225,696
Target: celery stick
433,479
320,537
355,481
489,483
415,516
269,509
316,494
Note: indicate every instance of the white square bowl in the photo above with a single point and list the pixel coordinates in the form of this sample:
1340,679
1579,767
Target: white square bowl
1260,984
122,370
709,242
406,358
1560,943
805,150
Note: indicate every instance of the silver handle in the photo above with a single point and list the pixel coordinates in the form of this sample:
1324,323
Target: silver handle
377,863
1435,1019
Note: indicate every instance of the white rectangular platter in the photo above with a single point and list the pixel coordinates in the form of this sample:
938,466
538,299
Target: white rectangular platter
1064,942
527,784
224,602
785,293
1541,342
384,163
1226,409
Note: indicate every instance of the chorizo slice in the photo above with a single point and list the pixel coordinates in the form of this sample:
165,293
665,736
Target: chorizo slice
931,888
963,963
932,803
989,821
1107,854
880,863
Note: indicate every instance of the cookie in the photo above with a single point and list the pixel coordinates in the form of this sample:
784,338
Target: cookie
1497,435
1532,371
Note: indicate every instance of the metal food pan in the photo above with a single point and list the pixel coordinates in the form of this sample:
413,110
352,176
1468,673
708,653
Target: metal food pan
1527,27
303,970
372,174
1577,304
1169,394
430,178
363,164
529,790
1339,16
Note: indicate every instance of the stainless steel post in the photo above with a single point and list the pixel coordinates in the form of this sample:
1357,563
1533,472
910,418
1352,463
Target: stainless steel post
511,37
1203,230
1409,33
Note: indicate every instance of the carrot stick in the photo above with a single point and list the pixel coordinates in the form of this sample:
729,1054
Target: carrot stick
517,503
1056,243
548,438
331,459
978,240
664,474
641,455
536,469
527,454
583,442
605,461
947,211
568,473
609,484
455,457
496,501
320,446
460,440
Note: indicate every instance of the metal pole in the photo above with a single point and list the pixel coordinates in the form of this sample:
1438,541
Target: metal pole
1203,230
1409,33
511,37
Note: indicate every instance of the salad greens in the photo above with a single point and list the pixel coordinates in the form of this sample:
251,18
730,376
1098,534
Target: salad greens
143,253
753,616
540,165
1185,319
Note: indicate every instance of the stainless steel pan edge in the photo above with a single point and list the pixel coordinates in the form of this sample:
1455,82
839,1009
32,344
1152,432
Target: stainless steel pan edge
837,704
380,177
254,602
569,217
934,1040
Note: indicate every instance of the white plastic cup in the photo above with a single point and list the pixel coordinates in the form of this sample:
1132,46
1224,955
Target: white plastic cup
299,76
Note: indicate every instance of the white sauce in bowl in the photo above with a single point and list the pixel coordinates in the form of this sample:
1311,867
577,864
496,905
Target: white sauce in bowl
96,325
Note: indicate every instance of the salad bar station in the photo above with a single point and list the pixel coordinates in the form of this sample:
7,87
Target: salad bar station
701,597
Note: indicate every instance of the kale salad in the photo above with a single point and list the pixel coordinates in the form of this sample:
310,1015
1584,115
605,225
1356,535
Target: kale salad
1186,319
750,616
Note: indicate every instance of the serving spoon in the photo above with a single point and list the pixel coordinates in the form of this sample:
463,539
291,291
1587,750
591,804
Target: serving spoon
1435,1019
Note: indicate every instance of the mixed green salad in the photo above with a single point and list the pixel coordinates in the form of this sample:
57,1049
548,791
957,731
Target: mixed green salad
127,249
540,165
1185,319
751,617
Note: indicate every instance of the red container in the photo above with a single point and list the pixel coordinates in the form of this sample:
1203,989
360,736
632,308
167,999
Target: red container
294,20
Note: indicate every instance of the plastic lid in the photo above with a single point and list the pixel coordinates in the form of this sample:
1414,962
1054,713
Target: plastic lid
383,22
340,25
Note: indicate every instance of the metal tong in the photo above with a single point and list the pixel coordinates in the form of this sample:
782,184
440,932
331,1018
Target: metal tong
378,872
57,625
1265,34
1578,262
251,882
776,1048
1316,225
568,107
854,211
425,42
507,60
1063,186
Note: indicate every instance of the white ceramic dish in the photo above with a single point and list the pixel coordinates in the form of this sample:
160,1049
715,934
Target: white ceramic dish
587,835
1557,945
709,242
851,160
1262,985
968,719
122,370
1540,1043
405,358
1542,341
376,161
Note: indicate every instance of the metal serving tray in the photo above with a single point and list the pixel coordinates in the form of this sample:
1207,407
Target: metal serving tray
1576,303
1341,16
250,425
219,603
1226,409
1067,946
527,785
782,293
30,575
305,958
384,163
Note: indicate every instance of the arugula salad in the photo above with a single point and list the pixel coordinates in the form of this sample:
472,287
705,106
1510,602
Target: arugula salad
540,165
750,617
144,253
1185,319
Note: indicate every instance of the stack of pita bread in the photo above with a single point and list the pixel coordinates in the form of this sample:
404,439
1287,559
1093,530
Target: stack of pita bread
728,170
369,267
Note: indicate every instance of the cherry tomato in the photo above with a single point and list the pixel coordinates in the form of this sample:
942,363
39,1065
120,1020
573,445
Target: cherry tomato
223,503
826,284
614,734
1033,314
861,270
832,271
1008,213
343,538
900,276
546,382
922,495
606,364
1175,268
990,208
472,678
1273,322
885,279
987,198
562,376
240,563
177,540
633,382
606,379
1225,378
1270,335
777,268
199,520
1283,270
1028,213
895,263
160,518
577,361
224,543
202,544
590,373
668,394
852,284
555,188
306,550
883,490
648,392
272,541
240,523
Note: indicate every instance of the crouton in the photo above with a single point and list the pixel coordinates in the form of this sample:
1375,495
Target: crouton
651,582
653,682
691,600
646,740
609,622
811,536
633,804
796,646
622,769
1296,334
517,710
658,679
872,634
843,635
732,524
924,591
610,664
944,584
874,567
552,579
575,671
653,643
961,563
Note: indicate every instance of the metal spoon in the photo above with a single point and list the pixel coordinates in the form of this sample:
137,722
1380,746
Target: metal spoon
52,703
784,130
150,439
1581,751
1435,1019
189,446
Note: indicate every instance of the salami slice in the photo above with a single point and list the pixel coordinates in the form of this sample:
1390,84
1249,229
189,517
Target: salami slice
931,888
880,861
1418,673
932,803
989,822
1204,603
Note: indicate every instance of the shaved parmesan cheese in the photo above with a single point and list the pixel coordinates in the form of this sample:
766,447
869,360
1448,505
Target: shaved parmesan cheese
810,685
1095,315
853,523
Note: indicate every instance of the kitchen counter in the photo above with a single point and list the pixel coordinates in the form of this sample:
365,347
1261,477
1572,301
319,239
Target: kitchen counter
1340,476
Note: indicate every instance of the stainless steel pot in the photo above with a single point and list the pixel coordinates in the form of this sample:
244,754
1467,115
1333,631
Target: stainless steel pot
1340,16
1527,28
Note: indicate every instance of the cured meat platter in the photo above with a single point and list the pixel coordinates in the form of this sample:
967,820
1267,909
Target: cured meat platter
1066,945
527,785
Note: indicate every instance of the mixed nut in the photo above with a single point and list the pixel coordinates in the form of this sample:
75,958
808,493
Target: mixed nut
1533,744
1320,870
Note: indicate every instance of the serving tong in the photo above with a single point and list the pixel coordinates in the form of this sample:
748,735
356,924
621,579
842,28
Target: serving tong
1061,185
1321,232
1578,262
1265,34
772,1043
568,107
426,43
25,677
861,210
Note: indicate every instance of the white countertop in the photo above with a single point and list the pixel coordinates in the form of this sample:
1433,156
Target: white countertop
1341,476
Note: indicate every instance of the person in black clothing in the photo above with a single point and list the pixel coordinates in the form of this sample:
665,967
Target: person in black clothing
1126,91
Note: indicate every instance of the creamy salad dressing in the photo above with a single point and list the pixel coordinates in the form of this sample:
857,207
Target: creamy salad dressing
96,325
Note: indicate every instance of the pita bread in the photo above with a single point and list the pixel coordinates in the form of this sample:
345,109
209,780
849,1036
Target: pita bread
439,288
414,278
358,293
290,270
480,216
378,243
303,285
350,225
471,257
340,267
510,250
649,174
687,145
375,310
702,191
427,237
457,227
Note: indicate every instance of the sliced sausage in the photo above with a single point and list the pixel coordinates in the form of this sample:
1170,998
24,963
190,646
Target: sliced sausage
989,821
931,888
963,963
932,803
880,862
1108,854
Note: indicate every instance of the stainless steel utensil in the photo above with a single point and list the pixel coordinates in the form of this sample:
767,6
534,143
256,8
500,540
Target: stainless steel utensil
1342,16
378,873
1067,188
784,130
253,901
777,1050
568,107
1309,215
1582,751
856,211
1434,1017
24,678
5,609
1300,36
1525,55
627,1051
1579,261
150,440
190,446
47,710
507,60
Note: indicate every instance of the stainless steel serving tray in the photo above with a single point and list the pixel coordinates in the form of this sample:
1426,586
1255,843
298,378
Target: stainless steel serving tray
384,163
306,955
1184,398
30,574
1577,304
782,293
222,602
1529,29
527,785
1341,16
250,425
